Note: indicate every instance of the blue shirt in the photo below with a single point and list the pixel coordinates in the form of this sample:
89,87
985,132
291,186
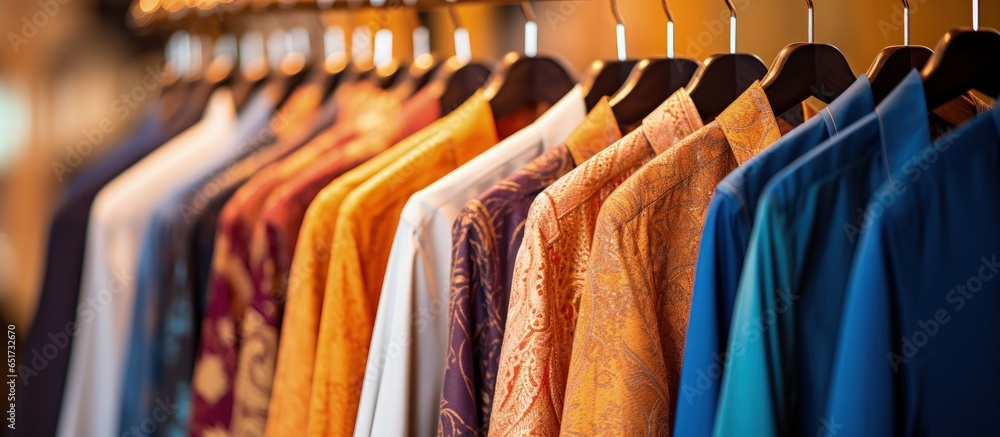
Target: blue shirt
787,310
723,246
920,343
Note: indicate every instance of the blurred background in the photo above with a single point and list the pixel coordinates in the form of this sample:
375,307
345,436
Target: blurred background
64,65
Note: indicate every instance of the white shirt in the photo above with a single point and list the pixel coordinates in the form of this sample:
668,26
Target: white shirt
401,392
118,220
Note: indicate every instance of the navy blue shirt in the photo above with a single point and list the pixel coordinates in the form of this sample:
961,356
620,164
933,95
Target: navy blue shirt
919,352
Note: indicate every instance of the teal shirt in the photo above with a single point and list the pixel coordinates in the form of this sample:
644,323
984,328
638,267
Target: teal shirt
784,330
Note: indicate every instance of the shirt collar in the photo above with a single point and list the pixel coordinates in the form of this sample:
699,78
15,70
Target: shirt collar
599,129
853,104
903,121
671,122
749,124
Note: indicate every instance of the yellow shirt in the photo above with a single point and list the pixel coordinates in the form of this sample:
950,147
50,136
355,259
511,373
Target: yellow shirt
362,239
288,411
551,267
626,358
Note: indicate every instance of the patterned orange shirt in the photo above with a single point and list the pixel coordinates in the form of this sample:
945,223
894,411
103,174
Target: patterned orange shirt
626,358
288,411
550,271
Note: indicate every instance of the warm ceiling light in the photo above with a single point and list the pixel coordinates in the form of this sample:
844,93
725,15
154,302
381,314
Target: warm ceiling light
148,6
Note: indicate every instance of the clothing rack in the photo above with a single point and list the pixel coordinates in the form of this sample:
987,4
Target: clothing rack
163,15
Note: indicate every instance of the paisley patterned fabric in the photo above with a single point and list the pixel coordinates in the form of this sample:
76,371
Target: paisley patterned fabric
485,239
231,286
626,356
550,271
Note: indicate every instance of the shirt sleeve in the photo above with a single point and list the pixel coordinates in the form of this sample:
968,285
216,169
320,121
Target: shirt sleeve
142,376
459,392
345,333
862,398
523,401
752,398
288,411
391,351
618,378
717,273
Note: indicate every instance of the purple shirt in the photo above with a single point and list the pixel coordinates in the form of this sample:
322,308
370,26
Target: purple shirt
485,240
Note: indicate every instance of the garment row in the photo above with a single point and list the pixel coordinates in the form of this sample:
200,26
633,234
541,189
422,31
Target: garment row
362,262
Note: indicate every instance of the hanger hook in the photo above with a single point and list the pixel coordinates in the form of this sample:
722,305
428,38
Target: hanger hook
975,15
619,29
906,23
463,47
530,30
732,26
670,29
812,21
421,38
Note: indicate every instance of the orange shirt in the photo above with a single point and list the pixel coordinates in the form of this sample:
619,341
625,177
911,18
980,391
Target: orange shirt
363,236
288,411
551,267
626,358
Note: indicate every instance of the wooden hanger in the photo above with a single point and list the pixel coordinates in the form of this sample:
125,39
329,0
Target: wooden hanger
723,78
807,69
893,63
253,67
390,72
461,76
652,81
604,78
294,67
964,60
177,88
425,64
523,80
421,70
